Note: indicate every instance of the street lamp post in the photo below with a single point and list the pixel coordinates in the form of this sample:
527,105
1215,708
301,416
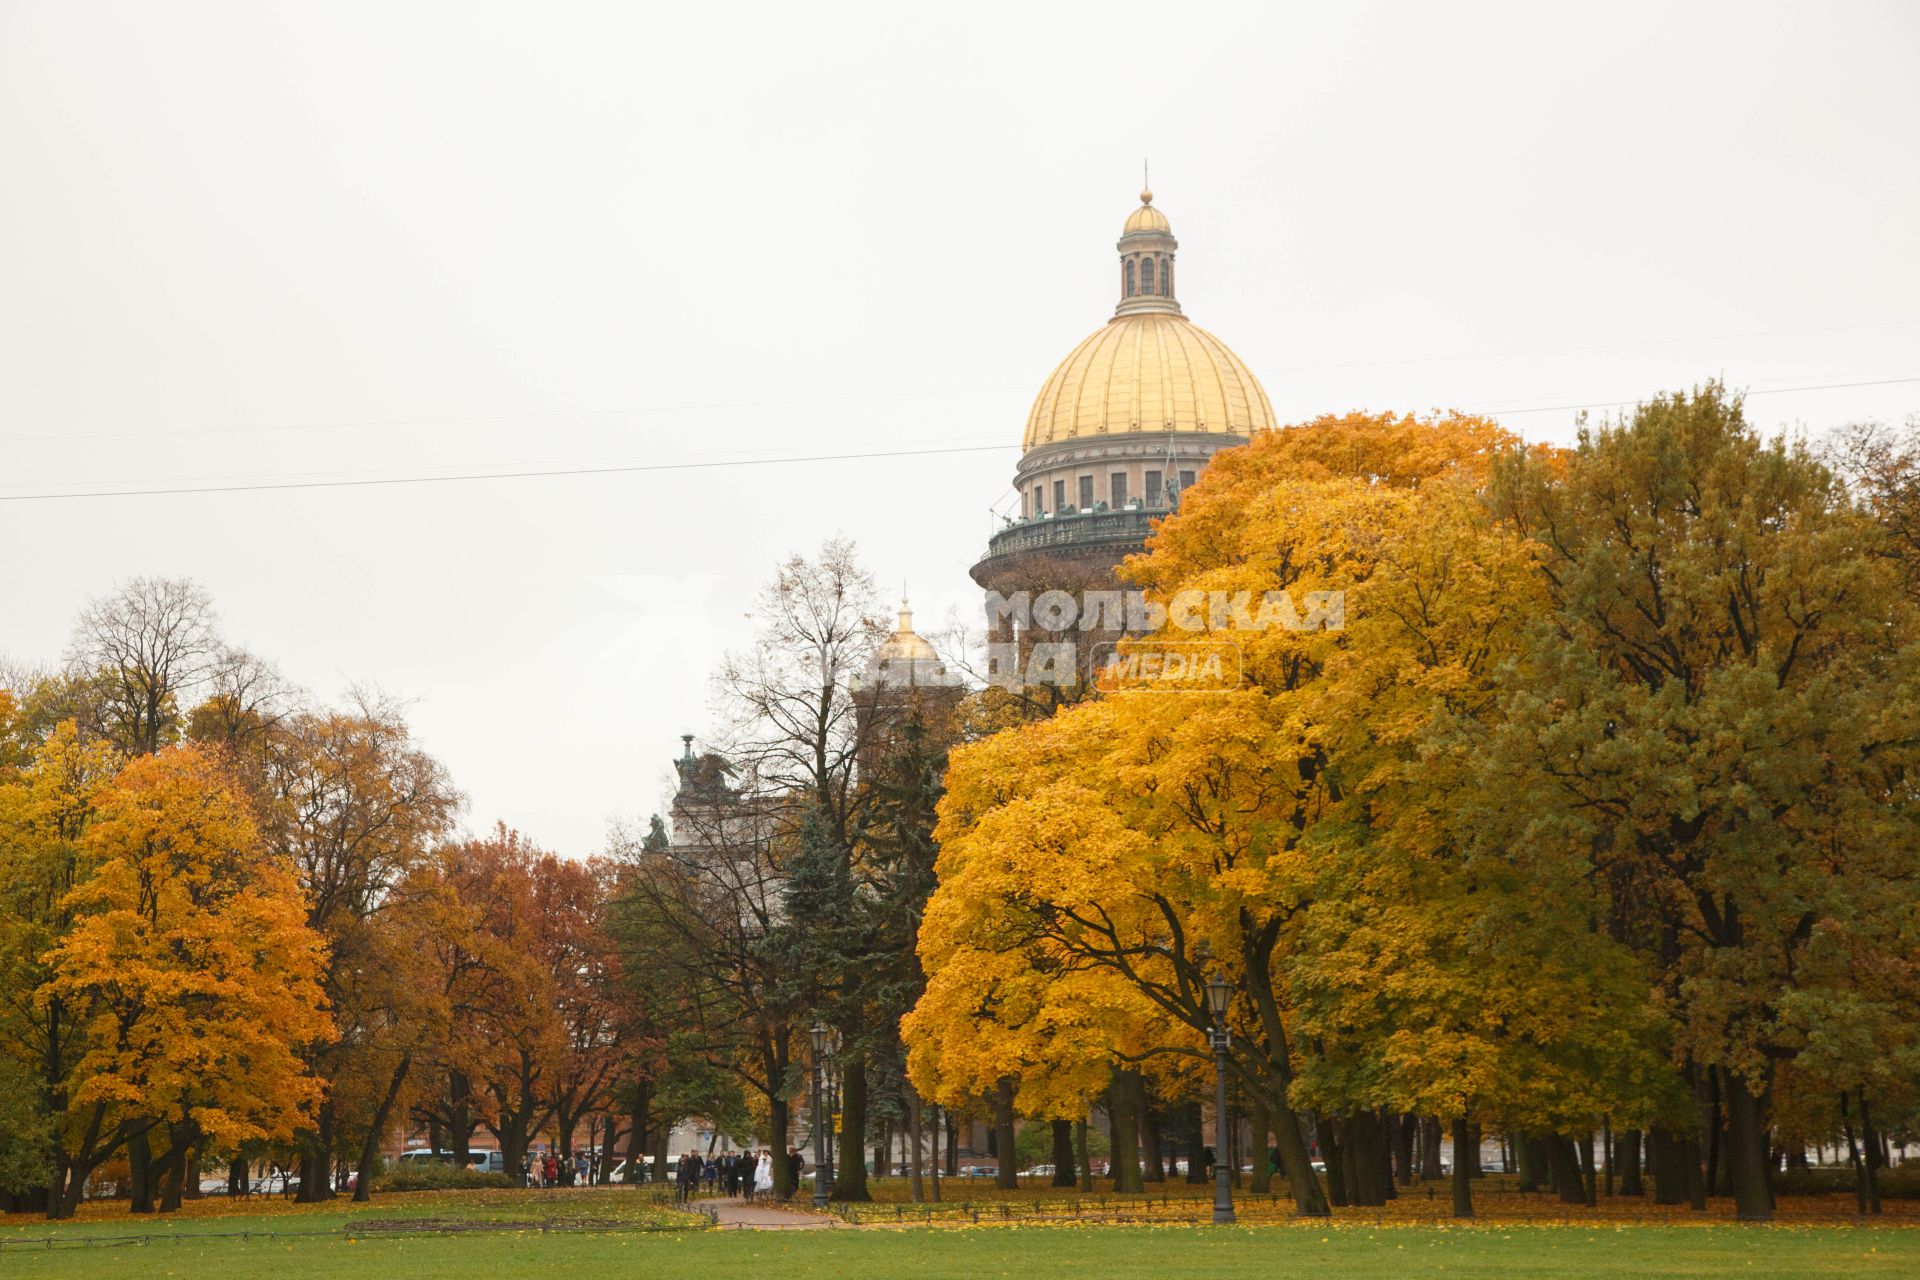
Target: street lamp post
822,1123
1219,992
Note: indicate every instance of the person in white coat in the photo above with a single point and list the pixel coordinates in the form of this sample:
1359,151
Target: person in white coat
763,1176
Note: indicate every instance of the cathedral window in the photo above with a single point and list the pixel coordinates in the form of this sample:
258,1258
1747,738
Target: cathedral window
1086,493
1059,496
1153,488
1129,277
1166,279
1039,501
1146,275
1119,484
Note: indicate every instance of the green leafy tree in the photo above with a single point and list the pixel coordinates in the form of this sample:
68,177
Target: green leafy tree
1719,717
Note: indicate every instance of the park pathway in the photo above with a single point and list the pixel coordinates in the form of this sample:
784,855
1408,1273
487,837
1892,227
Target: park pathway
758,1217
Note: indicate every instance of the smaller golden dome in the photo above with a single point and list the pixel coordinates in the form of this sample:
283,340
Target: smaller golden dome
905,643
1146,217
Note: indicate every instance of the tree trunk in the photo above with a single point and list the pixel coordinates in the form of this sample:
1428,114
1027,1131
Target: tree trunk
190,1184
1080,1151
174,1174
513,1138
316,1159
1564,1163
1606,1151
1430,1170
460,1117
1261,1117
1853,1158
1626,1153
1717,1173
1296,1162
1123,1114
850,1177
1462,1174
1747,1149
1363,1156
1196,1141
1065,1172
1334,1155
66,1199
1690,1165
636,1132
933,1156
1388,1132
140,1171
916,1184
1876,1154
370,1145
1006,1174
1406,1135
1151,1152
1675,1160
662,1134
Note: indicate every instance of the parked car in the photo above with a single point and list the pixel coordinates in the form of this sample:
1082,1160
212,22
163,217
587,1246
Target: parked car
423,1155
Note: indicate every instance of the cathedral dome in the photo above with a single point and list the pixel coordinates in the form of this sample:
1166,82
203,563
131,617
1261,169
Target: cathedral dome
1148,372
1146,218
1149,369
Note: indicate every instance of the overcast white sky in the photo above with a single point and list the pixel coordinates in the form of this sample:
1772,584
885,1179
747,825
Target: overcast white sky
327,240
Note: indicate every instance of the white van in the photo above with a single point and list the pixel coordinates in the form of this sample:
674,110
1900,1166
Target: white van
483,1160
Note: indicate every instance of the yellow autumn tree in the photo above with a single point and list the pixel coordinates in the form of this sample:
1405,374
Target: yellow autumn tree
45,808
1156,839
190,971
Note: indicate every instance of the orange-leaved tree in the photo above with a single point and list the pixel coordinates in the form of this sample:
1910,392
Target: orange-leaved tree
45,808
189,969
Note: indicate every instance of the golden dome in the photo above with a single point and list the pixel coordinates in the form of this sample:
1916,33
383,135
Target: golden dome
905,644
1146,217
1148,372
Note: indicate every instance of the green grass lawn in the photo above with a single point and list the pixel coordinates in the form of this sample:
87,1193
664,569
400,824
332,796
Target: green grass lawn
606,1208
988,1253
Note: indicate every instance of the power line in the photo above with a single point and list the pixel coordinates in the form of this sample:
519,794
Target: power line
1596,346
719,463
1763,391
505,475
556,466
495,417
698,407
